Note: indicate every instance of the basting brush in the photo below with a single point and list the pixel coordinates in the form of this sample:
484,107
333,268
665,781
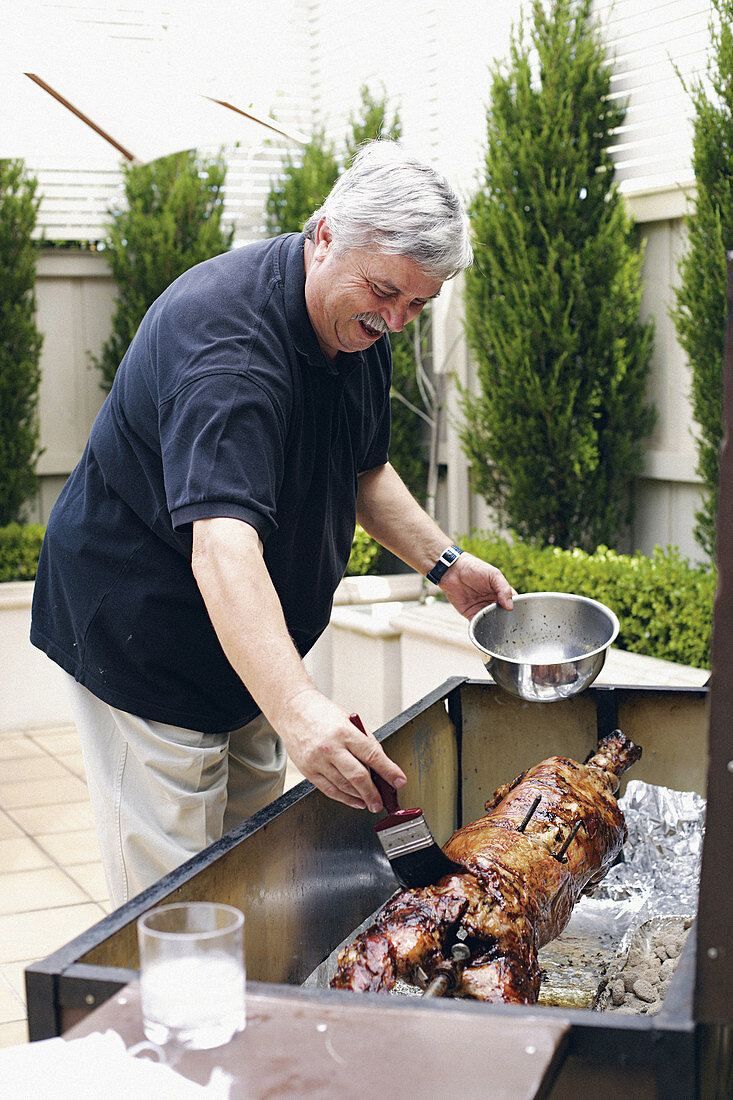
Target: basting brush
414,855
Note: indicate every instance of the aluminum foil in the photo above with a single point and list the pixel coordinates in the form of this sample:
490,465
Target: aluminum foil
658,878
661,872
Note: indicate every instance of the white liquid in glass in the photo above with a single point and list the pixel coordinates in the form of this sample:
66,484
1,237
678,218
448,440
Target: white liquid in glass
197,1000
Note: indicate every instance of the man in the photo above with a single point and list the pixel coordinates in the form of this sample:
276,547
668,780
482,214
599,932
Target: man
192,557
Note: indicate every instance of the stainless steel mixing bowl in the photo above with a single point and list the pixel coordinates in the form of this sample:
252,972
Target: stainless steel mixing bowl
551,646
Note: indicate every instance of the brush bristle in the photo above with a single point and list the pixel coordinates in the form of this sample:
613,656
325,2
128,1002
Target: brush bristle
423,867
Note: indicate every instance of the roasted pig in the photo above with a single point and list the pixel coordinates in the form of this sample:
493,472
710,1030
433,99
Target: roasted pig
546,838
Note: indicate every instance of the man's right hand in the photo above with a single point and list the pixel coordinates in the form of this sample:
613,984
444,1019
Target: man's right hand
328,749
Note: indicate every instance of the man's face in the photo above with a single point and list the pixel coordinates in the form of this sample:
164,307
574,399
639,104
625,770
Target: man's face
354,297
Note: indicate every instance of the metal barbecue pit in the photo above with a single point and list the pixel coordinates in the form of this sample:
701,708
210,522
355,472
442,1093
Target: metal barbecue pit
307,872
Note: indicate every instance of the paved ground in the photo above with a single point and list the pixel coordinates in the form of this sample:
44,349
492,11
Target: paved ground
51,881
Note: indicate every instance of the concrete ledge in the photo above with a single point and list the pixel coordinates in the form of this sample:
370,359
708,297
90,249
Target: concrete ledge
71,263
398,586
32,687
671,466
634,668
376,620
437,620
434,644
15,594
663,203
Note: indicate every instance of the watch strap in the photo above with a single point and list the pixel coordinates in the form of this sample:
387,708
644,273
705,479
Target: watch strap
444,562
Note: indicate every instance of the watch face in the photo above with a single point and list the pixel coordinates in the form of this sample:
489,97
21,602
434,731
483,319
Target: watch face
449,555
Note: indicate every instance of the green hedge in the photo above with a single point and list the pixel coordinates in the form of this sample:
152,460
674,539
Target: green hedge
365,555
20,546
664,605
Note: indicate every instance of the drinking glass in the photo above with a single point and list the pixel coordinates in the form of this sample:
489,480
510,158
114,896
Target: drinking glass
192,975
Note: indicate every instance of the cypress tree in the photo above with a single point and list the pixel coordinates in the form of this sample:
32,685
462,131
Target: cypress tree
171,220
20,342
555,435
700,311
302,185
370,123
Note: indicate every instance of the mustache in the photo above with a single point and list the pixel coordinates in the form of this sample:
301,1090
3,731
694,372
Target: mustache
373,320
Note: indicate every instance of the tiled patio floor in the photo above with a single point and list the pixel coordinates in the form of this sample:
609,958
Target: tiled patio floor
51,881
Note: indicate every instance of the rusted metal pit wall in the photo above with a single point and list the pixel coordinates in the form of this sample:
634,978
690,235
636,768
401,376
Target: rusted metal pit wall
307,871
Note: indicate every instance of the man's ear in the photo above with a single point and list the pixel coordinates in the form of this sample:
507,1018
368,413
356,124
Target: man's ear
323,238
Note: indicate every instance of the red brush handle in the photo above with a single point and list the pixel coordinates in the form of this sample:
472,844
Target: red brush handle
386,791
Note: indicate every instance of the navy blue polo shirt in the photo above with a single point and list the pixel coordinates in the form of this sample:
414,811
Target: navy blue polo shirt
224,405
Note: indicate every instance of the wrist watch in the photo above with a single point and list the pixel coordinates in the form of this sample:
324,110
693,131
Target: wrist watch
444,563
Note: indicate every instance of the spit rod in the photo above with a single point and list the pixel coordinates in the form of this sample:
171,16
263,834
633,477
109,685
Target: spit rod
448,973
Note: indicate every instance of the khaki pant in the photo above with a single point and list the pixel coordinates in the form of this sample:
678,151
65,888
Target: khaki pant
162,793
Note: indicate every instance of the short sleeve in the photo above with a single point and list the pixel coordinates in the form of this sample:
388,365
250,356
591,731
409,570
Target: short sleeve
222,445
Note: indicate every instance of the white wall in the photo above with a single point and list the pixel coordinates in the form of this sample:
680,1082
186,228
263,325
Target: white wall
75,294
655,45
668,494
432,60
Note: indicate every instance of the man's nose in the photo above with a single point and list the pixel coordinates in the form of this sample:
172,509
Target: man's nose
395,316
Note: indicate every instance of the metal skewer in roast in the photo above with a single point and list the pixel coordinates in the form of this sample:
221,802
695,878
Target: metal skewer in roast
545,839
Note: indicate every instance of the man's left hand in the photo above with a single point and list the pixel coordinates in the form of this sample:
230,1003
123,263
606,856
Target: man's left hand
470,584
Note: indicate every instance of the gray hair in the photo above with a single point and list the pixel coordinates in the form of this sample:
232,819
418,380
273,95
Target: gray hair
388,201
